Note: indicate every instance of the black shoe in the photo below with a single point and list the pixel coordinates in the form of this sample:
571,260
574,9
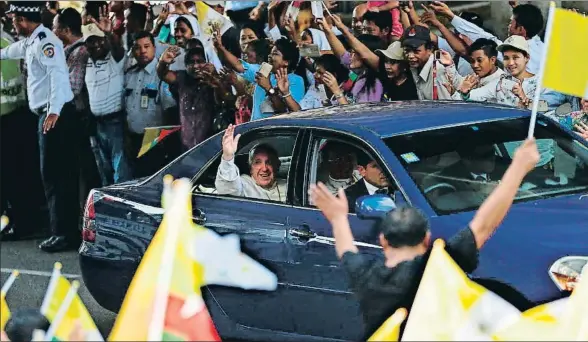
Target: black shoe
57,244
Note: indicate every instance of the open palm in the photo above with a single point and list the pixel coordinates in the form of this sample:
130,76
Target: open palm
230,143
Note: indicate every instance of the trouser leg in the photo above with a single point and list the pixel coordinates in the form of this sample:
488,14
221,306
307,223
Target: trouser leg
110,134
60,172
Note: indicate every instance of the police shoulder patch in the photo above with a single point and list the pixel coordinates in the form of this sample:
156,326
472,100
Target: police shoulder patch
48,50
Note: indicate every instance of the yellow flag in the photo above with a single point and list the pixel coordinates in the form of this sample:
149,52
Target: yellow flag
450,307
566,65
77,312
390,330
4,311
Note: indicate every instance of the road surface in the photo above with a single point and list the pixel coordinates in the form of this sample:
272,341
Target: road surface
35,270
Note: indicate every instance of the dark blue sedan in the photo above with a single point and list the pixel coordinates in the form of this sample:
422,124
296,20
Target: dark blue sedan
417,145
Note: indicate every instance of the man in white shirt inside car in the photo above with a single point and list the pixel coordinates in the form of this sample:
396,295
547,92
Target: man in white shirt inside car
261,183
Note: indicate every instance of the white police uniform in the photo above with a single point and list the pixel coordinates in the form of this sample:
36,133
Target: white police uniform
49,92
48,75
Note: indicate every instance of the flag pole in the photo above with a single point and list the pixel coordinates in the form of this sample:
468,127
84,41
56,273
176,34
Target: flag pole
535,108
51,288
8,284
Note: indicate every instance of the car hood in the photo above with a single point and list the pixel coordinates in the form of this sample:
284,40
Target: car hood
532,237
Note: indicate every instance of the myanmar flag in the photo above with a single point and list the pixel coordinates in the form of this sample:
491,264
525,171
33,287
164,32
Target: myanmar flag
164,301
451,307
57,291
566,64
154,135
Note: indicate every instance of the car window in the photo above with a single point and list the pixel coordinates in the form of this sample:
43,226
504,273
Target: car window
337,164
282,143
456,168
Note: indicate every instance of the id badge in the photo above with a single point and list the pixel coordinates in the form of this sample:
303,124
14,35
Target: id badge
144,101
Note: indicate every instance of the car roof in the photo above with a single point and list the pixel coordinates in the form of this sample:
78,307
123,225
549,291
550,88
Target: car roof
394,118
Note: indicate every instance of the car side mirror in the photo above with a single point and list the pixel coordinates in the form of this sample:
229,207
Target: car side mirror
566,272
373,206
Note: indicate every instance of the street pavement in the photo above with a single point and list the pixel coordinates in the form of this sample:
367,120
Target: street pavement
35,270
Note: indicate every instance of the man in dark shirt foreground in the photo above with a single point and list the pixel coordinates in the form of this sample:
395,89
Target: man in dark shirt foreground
382,287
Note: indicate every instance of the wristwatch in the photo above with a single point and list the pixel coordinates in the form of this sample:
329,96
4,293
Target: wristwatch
272,91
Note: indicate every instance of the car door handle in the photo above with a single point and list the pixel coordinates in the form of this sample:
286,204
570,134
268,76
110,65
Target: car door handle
199,217
302,232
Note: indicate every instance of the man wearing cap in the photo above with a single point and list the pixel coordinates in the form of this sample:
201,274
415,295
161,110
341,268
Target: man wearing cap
428,73
526,21
105,73
50,97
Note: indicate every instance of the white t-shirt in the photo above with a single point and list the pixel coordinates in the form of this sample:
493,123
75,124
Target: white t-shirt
105,81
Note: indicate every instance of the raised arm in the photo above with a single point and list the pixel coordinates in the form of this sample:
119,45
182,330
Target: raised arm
336,45
168,58
335,209
228,180
161,19
372,60
457,45
463,26
284,87
493,211
105,25
225,55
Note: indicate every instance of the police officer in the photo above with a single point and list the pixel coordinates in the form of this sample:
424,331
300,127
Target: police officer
50,97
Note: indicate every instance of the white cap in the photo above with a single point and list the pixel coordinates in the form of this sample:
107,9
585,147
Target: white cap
517,42
91,30
215,3
394,51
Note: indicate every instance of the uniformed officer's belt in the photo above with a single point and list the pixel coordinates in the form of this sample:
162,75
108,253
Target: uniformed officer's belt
43,109
40,110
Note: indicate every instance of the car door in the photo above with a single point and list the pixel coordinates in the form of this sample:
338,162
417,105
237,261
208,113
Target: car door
324,305
261,226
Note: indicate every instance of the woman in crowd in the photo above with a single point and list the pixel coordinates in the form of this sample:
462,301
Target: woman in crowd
327,90
200,92
390,64
366,87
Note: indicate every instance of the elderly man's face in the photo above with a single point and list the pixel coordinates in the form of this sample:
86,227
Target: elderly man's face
262,170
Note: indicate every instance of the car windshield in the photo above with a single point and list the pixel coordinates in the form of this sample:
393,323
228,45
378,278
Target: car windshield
456,168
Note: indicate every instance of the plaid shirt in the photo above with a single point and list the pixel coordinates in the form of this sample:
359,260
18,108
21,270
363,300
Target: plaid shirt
76,61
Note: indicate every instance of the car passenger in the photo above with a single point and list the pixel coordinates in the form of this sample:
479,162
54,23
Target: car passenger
339,162
374,181
261,183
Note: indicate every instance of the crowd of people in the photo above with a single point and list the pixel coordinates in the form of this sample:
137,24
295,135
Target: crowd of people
95,80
